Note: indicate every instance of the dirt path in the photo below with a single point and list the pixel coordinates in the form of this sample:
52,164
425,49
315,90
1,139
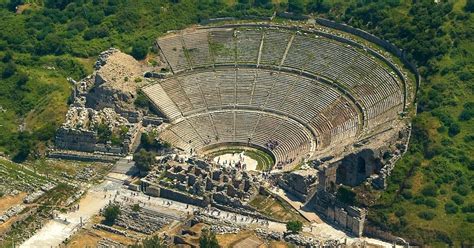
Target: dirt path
7,202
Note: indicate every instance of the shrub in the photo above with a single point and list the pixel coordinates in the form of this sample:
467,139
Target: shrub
454,129
419,200
470,218
400,212
426,215
469,7
346,195
431,202
142,101
457,199
208,239
450,208
469,138
104,134
407,194
463,190
294,226
430,190
9,70
140,50
469,208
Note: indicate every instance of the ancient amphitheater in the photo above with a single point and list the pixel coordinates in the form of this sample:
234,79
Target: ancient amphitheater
315,110
296,94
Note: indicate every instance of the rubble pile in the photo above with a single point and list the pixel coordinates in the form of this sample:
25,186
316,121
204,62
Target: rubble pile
13,211
105,98
109,229
219,229
85,174
142,221
80,131
301,240
108,243
38,193
268,235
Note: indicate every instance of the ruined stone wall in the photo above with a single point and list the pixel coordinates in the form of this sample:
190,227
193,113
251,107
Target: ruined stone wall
150,120
73,139
355,168
80,156
299,183
349,218
174,195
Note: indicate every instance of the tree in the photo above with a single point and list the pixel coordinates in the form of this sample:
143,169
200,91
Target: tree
450,208
294,226
429,190
208,239
103,133
144,160
263,3
111,213
9,70
296,6
454,129
469,7
317,6
136,207
140,50
426,215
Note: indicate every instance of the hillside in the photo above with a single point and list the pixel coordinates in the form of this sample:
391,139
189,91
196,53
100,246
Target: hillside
430,197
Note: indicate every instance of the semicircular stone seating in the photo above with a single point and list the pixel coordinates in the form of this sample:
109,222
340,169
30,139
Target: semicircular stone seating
289,92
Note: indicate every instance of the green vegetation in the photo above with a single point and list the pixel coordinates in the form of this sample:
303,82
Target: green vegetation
136,207
294,226
275,208
346,195
208,239
144,160
111,213
150,142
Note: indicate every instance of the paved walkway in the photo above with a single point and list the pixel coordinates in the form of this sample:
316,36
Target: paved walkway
55,231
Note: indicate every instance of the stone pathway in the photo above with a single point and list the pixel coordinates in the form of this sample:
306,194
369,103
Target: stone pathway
55,231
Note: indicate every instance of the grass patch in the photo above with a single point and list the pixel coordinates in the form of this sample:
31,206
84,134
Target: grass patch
275,208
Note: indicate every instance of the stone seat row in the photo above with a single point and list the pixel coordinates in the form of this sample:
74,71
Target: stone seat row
354,70
258,128
283,93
